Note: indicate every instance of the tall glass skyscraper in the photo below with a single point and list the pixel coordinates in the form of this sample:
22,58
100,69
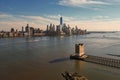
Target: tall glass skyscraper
61,21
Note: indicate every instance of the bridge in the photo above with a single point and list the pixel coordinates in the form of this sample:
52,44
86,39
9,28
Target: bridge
80,55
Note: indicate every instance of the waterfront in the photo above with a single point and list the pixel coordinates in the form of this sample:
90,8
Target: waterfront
45,58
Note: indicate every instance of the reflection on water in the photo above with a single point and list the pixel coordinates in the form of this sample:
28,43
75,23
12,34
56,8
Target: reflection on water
79,65
59,60
45,58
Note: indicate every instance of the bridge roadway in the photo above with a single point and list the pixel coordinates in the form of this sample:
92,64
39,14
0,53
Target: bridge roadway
98,60
104,61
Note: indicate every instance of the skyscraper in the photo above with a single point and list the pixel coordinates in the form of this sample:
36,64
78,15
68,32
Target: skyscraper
61,20
27,28
22,29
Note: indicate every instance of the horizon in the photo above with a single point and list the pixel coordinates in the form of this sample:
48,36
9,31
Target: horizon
92,15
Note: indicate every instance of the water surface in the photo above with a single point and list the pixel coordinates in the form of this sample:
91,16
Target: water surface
45,58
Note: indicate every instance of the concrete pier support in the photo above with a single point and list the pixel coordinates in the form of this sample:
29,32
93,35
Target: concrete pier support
79,49
79,52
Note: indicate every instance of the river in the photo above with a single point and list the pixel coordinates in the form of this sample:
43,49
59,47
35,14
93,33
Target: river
45,58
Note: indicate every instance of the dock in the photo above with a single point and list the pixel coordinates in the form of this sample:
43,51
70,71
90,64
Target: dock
80,55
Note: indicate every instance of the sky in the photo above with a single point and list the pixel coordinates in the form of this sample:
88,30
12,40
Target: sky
93,15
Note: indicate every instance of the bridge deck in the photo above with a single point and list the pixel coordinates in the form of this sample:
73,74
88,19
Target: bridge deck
100,60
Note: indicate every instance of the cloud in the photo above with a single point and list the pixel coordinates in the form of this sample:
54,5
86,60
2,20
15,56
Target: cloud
8,21
112,25
100,17
98,23
39,19
81,3
5,15
56,17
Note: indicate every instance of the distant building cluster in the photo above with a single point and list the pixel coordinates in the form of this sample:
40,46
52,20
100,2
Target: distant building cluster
63,29
51,30
25,32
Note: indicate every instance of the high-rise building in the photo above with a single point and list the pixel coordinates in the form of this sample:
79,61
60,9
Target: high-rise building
27,28
61,20
48,28
22,29
12,30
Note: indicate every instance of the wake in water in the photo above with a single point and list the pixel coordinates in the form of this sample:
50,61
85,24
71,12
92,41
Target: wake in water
114,55
115,35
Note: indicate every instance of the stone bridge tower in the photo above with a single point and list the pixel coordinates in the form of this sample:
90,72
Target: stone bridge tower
79,49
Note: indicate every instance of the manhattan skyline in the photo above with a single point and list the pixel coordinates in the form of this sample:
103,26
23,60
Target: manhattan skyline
93,15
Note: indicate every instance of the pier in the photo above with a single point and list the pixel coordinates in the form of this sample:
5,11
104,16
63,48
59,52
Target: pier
80,55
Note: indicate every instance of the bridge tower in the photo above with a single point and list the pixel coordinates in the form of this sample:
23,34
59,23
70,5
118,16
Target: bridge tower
79,49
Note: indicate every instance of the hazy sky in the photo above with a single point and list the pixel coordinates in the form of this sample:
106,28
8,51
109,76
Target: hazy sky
86,14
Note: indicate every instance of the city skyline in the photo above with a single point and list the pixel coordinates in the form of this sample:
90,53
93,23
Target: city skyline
93,15
51,30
